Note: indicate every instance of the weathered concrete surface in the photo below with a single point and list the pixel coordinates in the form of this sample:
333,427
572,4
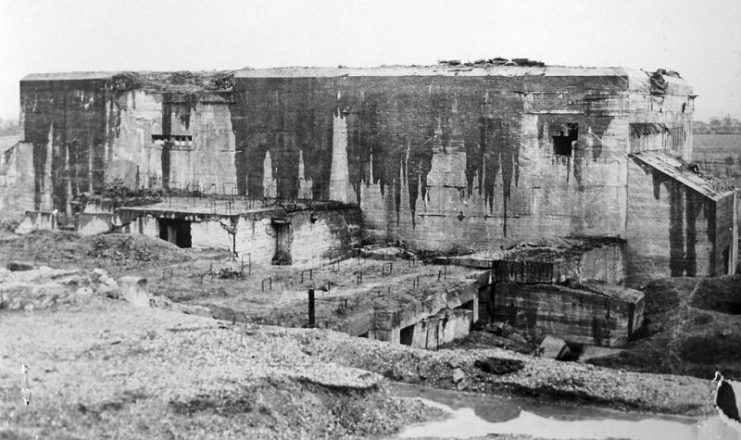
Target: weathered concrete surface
431,319
552,260
442,158
676,209
91,224
35,220
442,328
592,314
301,234
16,179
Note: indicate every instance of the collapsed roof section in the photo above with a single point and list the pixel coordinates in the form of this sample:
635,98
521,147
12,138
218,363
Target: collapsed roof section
685,173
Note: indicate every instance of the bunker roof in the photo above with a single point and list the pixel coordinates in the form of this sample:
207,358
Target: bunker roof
635,80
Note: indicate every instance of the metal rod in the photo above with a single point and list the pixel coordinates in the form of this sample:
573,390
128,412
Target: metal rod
312,316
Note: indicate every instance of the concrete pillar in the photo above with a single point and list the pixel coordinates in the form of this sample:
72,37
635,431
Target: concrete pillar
339,177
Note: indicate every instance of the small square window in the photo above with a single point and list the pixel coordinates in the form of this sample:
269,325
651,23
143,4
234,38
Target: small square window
564,141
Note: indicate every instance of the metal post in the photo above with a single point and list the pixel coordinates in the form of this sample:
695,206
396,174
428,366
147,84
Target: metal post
312,317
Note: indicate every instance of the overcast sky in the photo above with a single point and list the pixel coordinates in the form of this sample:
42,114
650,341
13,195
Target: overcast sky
700,39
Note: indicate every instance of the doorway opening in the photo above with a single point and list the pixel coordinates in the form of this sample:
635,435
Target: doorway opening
406,335
283,238
175,231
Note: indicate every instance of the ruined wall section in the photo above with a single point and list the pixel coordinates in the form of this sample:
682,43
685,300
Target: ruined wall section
662,122
332,235
670,228
70,124
579,315
16,180
180,141
136,159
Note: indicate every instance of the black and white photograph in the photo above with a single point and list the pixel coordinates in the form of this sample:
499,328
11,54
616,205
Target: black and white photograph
384,220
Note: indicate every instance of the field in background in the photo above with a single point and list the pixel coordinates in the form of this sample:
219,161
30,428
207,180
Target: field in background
720,154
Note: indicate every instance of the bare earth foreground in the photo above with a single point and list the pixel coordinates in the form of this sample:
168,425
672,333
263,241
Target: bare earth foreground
101,368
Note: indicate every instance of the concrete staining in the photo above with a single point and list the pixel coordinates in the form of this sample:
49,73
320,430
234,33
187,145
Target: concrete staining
445,159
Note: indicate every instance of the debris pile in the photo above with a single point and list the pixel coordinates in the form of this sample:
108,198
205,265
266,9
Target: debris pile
40,288
131,249
182,81
497,61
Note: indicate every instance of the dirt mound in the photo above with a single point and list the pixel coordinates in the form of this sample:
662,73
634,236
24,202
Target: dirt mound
43,287
719,294
285,404
131,249
64,249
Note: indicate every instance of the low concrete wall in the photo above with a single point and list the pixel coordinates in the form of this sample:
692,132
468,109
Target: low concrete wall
442,328
453,310
91,224
37,220
578,315
311,236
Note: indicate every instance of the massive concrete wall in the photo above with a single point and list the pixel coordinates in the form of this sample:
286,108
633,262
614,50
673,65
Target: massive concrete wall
437,161
71,126
670,228
443,161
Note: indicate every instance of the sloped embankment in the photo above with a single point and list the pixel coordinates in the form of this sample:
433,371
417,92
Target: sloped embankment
692,326
104,367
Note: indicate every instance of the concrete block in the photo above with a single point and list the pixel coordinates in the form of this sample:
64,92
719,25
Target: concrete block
134,290
551,346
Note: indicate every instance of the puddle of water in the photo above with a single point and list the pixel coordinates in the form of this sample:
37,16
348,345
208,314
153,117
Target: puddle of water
474,415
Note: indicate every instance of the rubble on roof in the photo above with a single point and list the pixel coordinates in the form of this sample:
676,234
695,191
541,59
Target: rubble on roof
181,81
498,61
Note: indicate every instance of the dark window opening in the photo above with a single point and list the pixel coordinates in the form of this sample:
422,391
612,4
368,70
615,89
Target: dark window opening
173,141
363,335
161,138
175,231
406,335
563,143
726,260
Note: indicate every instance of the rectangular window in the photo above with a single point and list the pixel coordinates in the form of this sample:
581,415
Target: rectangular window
563,142
175,141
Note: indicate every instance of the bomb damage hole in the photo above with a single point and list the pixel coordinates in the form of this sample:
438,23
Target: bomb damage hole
175,231
563,144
